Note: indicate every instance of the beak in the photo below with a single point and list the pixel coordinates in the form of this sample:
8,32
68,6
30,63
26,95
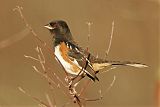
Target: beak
48,26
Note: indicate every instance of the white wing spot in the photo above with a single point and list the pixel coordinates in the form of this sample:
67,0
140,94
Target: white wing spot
77,49
70,47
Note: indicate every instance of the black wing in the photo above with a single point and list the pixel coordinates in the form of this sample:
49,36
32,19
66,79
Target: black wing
80,55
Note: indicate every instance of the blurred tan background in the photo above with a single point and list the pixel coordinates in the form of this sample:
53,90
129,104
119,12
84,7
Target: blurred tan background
135,39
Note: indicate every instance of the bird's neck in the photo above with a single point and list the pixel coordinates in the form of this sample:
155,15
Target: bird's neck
58,38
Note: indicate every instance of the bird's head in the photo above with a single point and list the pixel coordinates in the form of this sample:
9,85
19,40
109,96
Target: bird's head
58,27
60,31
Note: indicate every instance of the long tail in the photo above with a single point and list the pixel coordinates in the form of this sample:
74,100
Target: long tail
103,64
127,63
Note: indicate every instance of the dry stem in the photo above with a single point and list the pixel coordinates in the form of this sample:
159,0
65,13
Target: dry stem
110,40
35,98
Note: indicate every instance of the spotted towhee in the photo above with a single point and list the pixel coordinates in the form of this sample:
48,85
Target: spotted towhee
72,56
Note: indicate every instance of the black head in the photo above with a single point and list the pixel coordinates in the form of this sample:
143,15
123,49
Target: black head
60,31
58,27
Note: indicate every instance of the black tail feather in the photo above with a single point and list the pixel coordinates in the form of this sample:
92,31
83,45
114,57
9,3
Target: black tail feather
93,78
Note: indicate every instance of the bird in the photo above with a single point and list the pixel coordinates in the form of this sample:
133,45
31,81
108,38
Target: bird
75,59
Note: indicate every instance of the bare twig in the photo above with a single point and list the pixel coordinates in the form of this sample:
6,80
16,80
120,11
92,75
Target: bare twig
89,33
49,101
57,77
40,105
19,9
13,39
41,59
44,75
30,57
110,86
66,104
41,53
35,98
51,81
83,90
100,92
54,100
110,41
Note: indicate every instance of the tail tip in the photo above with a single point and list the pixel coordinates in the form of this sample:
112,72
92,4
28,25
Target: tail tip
138,65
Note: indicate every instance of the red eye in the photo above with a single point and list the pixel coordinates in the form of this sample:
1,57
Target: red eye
54,25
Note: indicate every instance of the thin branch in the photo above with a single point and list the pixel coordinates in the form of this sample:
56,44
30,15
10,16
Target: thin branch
35,98
66,104
30,57
84,88
13,39
41,62
110,41
40,105
19,9
50,80
44,75
110,86
100,92
59,87
54,100
57,77
89,33
49,101
43,58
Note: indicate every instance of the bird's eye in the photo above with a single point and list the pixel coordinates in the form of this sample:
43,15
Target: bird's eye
54,24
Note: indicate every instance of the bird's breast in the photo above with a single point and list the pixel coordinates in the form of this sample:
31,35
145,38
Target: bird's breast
61,52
